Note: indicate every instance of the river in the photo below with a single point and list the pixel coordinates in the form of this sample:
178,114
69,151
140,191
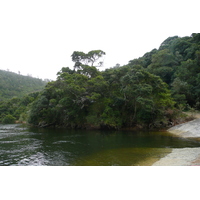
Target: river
23,146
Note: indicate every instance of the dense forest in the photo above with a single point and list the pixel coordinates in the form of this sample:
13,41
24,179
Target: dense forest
16,85
152,89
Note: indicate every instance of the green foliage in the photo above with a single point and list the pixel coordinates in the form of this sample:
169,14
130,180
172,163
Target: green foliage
115,98
8,119
18,108
88,59
166,44
15,85
177,63
163,64
146,96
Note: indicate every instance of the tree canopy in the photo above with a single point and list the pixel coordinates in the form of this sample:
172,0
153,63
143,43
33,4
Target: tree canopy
177,63
115,98
89,58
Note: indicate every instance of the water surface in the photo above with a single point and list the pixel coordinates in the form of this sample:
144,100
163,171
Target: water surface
60,147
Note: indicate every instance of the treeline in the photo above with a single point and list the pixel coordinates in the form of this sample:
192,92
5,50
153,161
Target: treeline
15,85
149,90
115,98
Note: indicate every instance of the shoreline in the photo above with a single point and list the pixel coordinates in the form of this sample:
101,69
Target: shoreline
183,156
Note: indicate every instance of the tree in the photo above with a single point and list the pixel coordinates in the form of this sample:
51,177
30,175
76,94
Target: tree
180,45
89,59
146,96
163,64
167,43
147,58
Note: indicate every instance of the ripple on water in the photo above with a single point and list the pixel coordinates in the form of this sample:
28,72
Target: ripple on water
63,141
45,159
37,159
11,134
11,127
8,142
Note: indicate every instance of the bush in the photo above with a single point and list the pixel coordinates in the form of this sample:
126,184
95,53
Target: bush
8,119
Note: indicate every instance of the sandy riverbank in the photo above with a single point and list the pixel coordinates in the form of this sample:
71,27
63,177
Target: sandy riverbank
183,156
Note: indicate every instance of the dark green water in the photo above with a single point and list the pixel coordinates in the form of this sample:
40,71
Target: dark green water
57,147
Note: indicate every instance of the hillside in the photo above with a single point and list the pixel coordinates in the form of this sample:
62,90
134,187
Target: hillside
177,63
15,85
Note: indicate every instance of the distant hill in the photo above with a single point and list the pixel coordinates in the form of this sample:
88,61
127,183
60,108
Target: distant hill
15,85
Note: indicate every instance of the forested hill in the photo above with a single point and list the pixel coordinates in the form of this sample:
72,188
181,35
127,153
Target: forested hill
149,90
15,85
177,63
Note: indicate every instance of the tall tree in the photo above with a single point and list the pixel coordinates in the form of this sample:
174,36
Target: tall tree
90,58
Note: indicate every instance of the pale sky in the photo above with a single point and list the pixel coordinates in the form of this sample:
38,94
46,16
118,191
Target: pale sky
37,37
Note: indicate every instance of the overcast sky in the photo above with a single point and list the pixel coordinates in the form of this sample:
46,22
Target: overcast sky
37,37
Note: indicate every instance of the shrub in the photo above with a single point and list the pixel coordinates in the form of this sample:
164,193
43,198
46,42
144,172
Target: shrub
8,119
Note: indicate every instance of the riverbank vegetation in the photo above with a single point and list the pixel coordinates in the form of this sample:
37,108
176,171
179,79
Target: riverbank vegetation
16,109
152,90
